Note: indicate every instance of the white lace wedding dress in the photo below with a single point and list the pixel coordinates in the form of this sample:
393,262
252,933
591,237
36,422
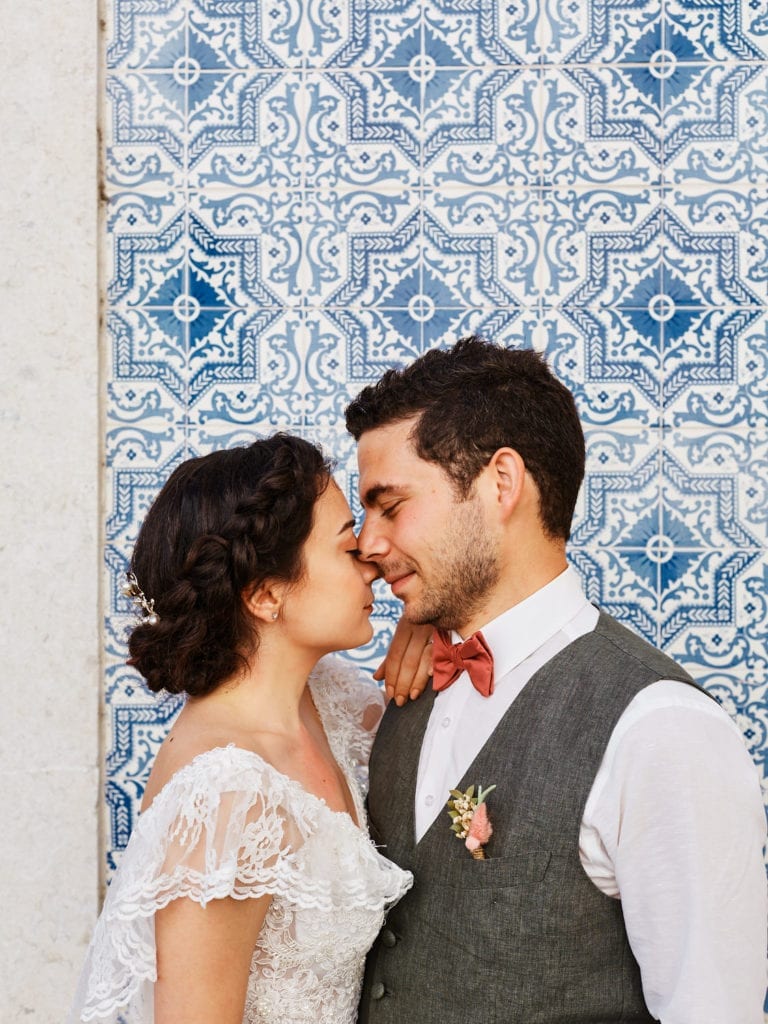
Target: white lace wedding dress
229,824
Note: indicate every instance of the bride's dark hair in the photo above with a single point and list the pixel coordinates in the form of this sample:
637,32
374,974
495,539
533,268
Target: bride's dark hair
220,523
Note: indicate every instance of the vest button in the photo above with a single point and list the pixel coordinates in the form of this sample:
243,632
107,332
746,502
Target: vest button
377,990
388,938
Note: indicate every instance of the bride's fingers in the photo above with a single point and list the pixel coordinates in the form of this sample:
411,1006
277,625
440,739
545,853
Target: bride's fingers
412,673
389,669
423,672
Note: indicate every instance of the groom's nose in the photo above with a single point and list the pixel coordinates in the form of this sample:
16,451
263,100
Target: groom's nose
370,541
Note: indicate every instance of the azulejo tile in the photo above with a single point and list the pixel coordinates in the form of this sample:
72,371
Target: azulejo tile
246,33
661,545
137,32
717,242
611,584
144,424
228,415
621,270
380,108
448,267
599,244
143,116
250,136
505,326
197,127
501,227
611,397
467,109
600,125
250,110
729,659
301,380
376,35
703,366
144,207
602,31
355,136
617,496
707,119
726,30
738,453
191,36
699,586
133,489
358,241
468,267
136,731
457,34
705,502
145,350
500,148
187,306
376,262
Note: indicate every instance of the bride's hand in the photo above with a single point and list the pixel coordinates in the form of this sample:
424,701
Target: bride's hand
408,665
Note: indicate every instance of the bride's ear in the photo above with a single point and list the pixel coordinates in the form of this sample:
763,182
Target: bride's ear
264,600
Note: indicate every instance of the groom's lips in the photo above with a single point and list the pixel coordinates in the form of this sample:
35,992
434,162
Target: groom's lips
398,582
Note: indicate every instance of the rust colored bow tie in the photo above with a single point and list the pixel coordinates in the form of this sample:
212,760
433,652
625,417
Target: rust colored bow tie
450,660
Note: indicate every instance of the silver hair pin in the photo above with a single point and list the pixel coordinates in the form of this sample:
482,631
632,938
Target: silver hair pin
140,600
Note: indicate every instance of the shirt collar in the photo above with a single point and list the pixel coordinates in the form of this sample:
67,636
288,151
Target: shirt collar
514,635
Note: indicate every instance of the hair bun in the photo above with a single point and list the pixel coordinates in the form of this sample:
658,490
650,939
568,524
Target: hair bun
221,522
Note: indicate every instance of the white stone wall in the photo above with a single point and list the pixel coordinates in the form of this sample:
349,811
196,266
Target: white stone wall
49,503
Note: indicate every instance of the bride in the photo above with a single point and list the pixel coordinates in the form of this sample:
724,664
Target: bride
250,890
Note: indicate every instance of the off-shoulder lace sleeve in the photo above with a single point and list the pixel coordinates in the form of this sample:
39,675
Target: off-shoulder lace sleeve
224,825
351,707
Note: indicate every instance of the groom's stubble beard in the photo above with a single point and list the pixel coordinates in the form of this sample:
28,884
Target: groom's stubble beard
464,569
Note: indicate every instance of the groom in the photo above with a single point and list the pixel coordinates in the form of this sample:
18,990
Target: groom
623,880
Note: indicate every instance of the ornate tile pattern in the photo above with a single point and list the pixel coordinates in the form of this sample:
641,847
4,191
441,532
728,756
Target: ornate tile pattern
303,194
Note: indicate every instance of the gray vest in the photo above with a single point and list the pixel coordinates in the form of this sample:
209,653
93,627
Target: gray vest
523,937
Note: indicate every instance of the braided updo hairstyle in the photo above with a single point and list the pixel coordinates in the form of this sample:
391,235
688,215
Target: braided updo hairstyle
221,522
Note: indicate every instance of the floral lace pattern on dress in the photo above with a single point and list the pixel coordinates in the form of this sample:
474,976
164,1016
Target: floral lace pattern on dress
228,824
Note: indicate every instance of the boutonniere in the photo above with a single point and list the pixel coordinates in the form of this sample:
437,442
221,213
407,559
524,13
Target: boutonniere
469,817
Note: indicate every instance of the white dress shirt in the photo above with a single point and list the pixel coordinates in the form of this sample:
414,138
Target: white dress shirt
674,825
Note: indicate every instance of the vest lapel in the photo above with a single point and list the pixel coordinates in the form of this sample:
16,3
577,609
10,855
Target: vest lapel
487,769
394,766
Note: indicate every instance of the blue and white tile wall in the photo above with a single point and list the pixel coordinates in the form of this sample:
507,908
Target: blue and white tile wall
305,192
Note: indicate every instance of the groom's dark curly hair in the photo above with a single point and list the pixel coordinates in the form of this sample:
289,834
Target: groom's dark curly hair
475,398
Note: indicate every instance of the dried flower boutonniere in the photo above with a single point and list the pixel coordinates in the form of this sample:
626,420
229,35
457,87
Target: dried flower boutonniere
469,817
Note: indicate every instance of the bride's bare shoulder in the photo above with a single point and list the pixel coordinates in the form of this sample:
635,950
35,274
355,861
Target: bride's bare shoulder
192,734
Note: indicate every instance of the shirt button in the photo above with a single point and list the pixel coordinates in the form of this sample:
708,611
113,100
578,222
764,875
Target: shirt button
445,722
388,938
429,800
377,990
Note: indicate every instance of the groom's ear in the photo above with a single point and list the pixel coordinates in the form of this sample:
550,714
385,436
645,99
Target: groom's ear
509,479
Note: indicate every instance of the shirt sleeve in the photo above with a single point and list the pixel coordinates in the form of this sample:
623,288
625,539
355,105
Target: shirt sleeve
676,816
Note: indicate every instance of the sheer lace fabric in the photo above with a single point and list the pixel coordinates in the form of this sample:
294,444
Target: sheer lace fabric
229,825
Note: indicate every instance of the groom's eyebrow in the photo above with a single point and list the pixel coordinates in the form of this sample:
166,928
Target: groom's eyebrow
378,491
